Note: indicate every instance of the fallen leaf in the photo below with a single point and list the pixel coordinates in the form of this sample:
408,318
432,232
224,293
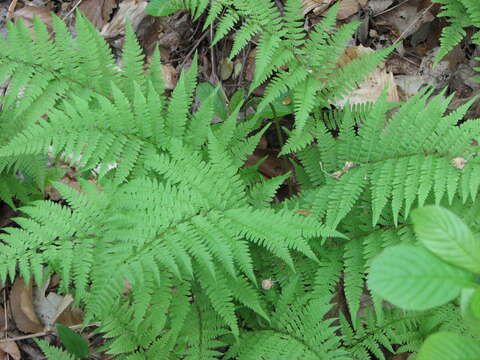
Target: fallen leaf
10,348
371,88
23,311
405,20
317,6
348,8
409,85
133,10
51,307
226,69
169,76
377,6
3,319
27,13
98,11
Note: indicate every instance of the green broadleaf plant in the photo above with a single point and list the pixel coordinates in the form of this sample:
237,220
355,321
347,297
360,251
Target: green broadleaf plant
413,277
447,236
73,342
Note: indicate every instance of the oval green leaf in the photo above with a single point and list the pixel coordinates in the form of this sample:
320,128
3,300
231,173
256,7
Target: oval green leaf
412,278
446,235
449,346
73,341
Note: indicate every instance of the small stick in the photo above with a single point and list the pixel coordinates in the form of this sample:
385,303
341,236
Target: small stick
43,333
390,9
11,9
417,19
72,9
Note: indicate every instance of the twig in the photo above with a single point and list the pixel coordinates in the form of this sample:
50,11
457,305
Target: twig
43,333
70,12
195,46
390,9
212,55
5,316
417,19
11,9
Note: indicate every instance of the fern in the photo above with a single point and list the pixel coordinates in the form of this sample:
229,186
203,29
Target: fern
173,246
304,64
400,164
461,14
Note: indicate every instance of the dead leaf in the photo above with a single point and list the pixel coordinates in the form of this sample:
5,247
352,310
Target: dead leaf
226,69
98,11
318,6
377,6
405,20
348,8
23,311
409,85
133,10
3,320
169,76
27,13
10,348
371,88
50,307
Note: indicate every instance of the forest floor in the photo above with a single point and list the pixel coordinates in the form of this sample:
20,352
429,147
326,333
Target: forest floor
27,313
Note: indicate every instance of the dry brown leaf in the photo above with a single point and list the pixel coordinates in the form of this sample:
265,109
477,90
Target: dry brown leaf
133,10
169,76
21,303
348,8
405,20
318,6
226,69
27,13
374,84
51,307
98,11
3,319
10,348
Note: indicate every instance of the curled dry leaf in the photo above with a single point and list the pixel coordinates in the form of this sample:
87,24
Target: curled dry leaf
27,14
98,11
169,76
370,89
133,10
405,20
318,6
10,348
53,308
23,311
348,8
